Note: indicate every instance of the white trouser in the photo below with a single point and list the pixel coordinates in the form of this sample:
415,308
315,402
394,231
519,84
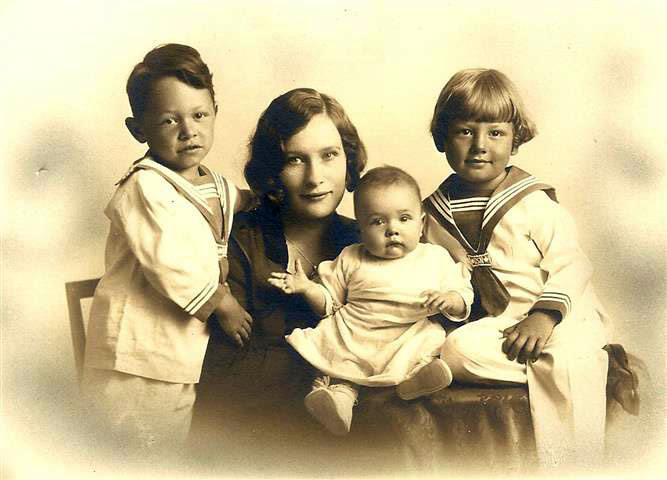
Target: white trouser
136,412
566,386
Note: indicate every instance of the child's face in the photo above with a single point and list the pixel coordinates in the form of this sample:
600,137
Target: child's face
479,151
390,219
178,125
315,169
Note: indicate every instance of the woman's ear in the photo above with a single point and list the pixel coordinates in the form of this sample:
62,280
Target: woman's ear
135,129
439,143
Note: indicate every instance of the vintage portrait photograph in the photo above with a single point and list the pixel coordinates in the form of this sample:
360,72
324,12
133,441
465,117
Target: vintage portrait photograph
364,239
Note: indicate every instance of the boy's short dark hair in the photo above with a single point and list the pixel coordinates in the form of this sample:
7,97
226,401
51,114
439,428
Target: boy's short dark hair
383,177
170,60
285,116
481,95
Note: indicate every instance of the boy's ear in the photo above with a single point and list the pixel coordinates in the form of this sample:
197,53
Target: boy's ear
135,129
423,220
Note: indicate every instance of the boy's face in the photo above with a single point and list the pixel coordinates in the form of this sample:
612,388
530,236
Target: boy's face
390,219
178,125
479,151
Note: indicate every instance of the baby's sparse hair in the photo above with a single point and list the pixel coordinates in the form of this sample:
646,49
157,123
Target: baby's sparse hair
285,116
480,95
385,176
170,60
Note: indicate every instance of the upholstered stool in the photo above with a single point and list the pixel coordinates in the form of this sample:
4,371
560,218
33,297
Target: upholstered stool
489,428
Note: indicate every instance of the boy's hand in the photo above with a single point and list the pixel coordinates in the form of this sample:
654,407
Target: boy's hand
233,319
449,303
525,340
291,283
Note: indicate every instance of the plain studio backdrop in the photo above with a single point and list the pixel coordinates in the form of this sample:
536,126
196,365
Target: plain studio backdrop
591,73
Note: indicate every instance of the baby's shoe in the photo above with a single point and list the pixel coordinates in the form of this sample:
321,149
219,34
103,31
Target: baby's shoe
429,379
331,404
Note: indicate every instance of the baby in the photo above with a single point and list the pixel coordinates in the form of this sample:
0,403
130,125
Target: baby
376,297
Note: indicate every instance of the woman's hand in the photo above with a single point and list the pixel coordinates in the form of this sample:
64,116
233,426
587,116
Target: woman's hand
233,319
298,282
447,303
525,340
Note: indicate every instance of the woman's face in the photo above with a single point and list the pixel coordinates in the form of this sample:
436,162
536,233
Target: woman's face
315,169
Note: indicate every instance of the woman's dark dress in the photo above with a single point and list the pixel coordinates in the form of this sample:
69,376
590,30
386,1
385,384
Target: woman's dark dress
250,400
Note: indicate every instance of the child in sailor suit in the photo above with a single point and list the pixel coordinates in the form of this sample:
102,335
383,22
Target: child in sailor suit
165,262
541,323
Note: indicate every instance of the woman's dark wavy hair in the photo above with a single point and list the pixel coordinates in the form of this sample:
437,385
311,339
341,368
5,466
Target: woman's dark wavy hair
480,95
170,60
286,116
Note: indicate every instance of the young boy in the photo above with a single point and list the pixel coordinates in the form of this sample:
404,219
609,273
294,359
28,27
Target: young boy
165,260
541,322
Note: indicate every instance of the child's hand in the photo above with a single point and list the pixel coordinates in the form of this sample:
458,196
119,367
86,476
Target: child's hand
525,340
449,303
233,319
291,283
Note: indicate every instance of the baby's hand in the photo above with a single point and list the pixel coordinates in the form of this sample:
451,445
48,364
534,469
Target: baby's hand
447,303
233,319
291,283
525,340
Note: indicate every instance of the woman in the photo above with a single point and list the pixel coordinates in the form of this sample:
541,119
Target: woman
304,154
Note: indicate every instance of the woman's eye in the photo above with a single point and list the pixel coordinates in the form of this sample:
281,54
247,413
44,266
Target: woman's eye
331,154
294,160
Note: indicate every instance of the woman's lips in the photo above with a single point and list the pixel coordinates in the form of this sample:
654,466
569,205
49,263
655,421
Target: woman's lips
314,197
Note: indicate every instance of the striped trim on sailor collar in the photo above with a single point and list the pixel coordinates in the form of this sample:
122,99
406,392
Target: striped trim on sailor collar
498,199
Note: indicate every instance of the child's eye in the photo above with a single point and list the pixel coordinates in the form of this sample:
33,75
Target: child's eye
377,221
331,154
200,115
168,121
464,131
497,133
405,218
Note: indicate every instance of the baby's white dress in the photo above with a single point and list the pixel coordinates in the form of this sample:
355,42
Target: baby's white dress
380,335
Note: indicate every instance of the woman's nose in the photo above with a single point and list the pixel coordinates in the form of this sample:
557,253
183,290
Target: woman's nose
315,172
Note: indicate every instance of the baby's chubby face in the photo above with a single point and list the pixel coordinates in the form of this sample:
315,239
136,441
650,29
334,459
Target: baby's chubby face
390,219
178,125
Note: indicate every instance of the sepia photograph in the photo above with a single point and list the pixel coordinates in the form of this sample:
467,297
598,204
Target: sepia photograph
333,239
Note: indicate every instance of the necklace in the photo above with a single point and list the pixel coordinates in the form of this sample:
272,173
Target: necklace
305,257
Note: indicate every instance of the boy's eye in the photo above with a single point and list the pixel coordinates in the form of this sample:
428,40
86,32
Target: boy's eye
497,133
377,221
294,160
168,121
405,218
200,115
465,131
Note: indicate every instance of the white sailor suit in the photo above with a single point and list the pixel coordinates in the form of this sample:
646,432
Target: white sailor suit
527,244
165,272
